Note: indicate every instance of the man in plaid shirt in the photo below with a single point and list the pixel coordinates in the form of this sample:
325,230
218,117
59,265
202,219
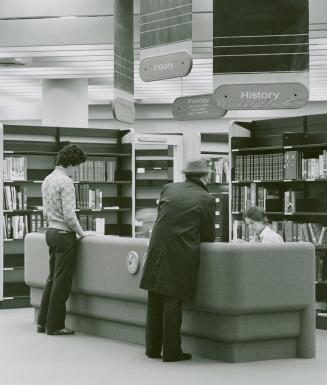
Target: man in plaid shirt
59,204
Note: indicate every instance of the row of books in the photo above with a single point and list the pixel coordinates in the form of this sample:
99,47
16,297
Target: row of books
220,170
14,198
87,198
15,168
298,167
290,231
314,168
90,223
17,226
278,166
95,171
244,197
259,167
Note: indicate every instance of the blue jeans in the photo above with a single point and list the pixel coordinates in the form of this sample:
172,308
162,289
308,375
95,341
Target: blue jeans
62,250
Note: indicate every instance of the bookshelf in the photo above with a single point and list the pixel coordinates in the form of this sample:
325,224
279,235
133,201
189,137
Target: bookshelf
38,147
281,165
214,148
158,161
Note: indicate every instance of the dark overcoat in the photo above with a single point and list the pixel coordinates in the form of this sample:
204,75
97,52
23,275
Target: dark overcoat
186,217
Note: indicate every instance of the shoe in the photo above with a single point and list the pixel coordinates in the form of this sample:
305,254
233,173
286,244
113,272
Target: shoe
154,355
40,329
59,332
180,357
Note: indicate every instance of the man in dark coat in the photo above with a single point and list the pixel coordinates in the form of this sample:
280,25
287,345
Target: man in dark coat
186,217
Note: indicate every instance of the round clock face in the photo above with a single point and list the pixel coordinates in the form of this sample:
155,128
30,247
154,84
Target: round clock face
132,262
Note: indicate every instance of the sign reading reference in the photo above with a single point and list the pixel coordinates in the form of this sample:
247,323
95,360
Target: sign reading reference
196,107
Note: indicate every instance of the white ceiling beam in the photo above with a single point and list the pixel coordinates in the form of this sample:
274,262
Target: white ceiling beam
43,8
81,30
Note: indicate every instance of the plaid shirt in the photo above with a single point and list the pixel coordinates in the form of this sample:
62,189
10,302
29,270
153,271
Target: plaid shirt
58,194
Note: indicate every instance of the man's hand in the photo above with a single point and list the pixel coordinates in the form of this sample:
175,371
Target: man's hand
238,240
89,233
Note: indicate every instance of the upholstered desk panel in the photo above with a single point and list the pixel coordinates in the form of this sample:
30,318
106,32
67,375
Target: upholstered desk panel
252,302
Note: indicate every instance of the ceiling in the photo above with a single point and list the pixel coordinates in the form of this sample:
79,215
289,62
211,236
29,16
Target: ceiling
59,47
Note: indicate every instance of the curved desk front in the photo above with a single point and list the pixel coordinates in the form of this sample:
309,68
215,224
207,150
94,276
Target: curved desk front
252,302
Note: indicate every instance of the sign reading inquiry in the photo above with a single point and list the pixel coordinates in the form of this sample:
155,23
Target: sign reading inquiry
165,39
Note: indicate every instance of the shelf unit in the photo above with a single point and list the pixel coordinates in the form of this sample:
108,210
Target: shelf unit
307,136
214,148
40,146
158,161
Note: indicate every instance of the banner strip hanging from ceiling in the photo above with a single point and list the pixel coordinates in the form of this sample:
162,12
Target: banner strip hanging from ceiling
123,106
165,39
261,53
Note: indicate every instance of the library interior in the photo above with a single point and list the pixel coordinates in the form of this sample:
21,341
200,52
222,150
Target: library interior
164,177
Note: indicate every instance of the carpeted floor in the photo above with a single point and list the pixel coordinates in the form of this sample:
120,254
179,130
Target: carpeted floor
28,358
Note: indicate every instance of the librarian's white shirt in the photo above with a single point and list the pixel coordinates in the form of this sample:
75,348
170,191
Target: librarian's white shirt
267,236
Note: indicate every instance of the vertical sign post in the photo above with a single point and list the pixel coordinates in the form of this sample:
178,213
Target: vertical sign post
165,39
123,106
1,213
261,53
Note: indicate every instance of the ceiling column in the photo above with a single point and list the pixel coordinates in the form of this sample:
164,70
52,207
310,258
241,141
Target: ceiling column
65,102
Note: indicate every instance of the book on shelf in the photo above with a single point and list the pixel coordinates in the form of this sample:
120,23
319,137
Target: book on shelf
292,165
299,167
315,168
14,198
290,200
37,222
259,167
17,226
90,223
320,268
290,231
95,171
15,169
243,197
88,199
220,170
240,231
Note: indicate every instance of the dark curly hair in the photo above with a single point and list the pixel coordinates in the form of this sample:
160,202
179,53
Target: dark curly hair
70,155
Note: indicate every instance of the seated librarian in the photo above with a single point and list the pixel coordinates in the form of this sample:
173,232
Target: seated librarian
259,230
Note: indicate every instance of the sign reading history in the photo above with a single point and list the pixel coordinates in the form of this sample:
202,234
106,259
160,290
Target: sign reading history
165,39
261,53
123,105
196,107
265,96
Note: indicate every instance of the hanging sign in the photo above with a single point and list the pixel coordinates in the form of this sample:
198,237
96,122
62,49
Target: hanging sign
196,107
261,53
165,39
123,105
